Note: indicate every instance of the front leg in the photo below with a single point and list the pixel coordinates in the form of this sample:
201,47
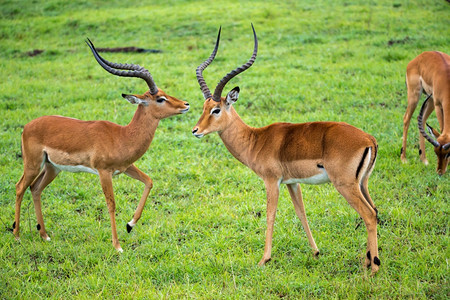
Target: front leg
297,200
272,190
135,173
106,181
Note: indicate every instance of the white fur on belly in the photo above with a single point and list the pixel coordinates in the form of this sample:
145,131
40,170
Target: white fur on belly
77,169
316,179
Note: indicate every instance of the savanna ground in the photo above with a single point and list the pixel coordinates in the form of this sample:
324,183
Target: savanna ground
202,231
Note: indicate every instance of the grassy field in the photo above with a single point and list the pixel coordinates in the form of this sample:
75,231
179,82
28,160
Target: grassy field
202,231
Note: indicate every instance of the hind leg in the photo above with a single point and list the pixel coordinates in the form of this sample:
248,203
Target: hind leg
47,175
30,173
414,90
355,197
365,192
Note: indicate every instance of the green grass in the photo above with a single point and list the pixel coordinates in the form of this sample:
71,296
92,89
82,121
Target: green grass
202,231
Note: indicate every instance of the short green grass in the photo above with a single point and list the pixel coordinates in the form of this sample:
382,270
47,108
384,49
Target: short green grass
202,231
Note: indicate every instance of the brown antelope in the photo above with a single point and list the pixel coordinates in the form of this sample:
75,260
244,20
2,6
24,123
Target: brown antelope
286,153
429,73
51,144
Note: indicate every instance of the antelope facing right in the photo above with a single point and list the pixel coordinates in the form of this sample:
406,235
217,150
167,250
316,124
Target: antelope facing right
51,144
287,153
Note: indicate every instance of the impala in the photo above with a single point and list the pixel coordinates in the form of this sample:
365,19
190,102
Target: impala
51,144
429,73
286,153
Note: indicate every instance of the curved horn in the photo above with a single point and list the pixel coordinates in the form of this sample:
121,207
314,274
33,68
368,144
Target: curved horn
420,123
229,76
115,69
199,70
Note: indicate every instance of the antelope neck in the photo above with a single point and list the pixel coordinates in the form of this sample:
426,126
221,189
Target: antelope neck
141,128
239,138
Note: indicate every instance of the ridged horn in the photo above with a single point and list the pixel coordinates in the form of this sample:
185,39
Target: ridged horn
420,123
201,81
229,76
116,69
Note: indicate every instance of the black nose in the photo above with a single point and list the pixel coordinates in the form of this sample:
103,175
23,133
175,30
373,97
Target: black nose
194,130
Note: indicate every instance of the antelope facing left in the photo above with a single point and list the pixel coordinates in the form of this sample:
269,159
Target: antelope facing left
51,144
288,153
429,73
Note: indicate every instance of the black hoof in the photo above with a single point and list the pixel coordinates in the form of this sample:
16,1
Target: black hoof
368,255
376,261
13,227
129,228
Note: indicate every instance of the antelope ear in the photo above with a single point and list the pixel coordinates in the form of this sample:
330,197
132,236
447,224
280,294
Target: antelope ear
433,132
232,96
135,100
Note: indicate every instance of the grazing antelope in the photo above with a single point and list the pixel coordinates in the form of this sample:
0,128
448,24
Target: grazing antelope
286,153
51,144
429,73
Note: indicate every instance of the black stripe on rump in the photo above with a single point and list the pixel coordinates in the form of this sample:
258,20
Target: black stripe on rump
362,161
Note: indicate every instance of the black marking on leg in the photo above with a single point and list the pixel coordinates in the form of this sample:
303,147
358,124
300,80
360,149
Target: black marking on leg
129,228
14,225
376,153
317,253
401,151
376,261
368,255
420,151
376,215
38,226
362,161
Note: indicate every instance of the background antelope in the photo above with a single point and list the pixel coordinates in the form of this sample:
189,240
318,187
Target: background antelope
429,73
286,153
51,144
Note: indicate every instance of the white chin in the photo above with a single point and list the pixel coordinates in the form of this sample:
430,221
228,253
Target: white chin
198,135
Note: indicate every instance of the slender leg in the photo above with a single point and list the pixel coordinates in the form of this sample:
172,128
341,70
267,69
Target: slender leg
135,173
440,116
106,181
414,91
272,189
428,110
47,175
355,198
296,196
29,175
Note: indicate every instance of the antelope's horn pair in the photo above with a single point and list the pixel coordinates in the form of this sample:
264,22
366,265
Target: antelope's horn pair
229,76
422,129
116,69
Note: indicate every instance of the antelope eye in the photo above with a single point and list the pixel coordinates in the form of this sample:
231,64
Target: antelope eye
215,111
161,100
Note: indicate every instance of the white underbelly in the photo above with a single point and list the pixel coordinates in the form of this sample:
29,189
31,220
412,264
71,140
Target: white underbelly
77,169
320,178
